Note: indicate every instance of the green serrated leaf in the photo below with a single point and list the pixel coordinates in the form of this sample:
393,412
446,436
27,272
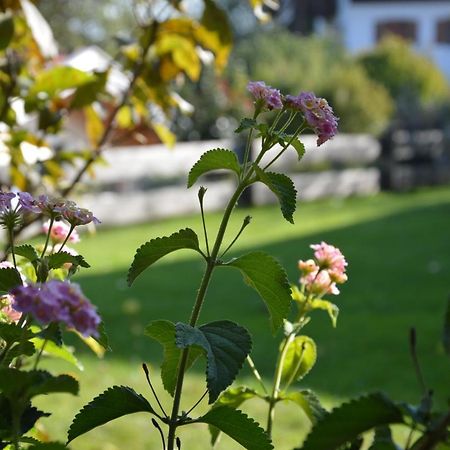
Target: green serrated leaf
57,260
25,348
309,403
300,358
9,278
115,402
14,382
155,249
226,344
52,333
28,252
238,426
330,308
11,332
102,337
163,331
263,272
283,187
299,148
216,159
367,412
6,30
245,124
232,398
60,352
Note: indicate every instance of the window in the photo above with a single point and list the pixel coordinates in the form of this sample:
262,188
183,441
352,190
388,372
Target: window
405,29
443,32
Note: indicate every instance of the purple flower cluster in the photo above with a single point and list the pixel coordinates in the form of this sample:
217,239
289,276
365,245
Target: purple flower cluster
57,301
318,113
269,97
56,208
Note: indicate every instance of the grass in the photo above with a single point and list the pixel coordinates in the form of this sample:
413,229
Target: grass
397,246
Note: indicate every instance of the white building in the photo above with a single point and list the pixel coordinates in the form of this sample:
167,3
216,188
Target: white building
425,23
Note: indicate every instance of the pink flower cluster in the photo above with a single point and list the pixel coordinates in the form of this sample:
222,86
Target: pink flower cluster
269,97
56,208
321,274
59,232
318,113
57,301
7,312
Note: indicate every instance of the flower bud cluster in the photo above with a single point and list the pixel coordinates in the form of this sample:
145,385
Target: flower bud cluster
57,301
317,112
321,275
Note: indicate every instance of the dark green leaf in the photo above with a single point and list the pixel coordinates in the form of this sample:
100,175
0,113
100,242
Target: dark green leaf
52,333
163,331
216,159
102,337
246,124
232,398
11,332
9,278
6,30
308,401
300,358
57,260
14,382
27,251
238,426
115,402
283,187
383,440
155,249
446,331
366,413
226,344
25,348
262,272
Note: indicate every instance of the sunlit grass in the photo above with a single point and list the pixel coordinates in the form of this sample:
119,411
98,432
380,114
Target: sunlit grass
398,248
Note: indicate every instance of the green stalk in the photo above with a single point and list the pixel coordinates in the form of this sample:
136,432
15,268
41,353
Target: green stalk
211,264
52,220
277,382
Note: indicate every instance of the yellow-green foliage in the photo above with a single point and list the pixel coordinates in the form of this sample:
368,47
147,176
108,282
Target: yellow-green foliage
406,74
363,104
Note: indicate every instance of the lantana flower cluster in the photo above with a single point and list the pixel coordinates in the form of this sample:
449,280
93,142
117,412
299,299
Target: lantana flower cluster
322,274
57,301
317,112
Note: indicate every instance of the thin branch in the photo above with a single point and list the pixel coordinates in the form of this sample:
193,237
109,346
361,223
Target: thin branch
198,402
147,375
156,425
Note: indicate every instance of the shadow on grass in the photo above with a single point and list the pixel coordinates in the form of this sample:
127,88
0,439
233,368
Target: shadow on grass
399,269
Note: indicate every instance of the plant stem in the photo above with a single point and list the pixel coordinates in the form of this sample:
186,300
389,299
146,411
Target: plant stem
47,239
72,227
211,264
256,373
38,356
11,243
277,382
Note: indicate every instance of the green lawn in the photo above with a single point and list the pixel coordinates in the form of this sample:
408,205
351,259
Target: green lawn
398,249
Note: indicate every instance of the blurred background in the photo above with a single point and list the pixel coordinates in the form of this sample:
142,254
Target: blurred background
380,190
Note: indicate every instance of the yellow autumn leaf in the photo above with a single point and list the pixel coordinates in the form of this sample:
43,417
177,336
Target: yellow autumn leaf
258,8
164,134
94,125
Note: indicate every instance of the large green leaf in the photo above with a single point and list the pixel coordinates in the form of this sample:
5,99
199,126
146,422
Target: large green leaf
308,402
300,358
60,352
14,382
115,402
263,272
11,332
346,422
27,251
6,30
9,278
232,398
238,426
153,250
216,159
226,344
57,260
59,78
163,331
246,124
283,187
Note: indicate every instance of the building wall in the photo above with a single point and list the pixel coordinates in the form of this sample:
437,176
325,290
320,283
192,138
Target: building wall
358,22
